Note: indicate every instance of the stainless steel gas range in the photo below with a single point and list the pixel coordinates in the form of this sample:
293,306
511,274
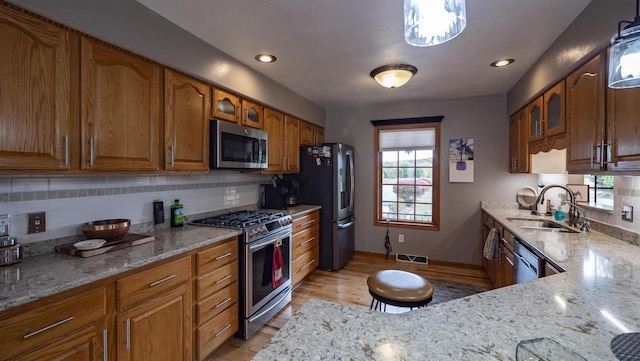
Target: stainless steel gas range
265,264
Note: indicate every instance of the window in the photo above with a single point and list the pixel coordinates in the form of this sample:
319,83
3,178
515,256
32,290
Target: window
600,189
407,175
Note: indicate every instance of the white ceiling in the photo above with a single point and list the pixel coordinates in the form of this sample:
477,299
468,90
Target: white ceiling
326,48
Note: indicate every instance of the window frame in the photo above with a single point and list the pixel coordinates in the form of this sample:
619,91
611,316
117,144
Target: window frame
434,225
595,189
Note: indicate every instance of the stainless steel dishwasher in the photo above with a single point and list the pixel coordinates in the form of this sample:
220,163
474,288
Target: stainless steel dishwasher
526,264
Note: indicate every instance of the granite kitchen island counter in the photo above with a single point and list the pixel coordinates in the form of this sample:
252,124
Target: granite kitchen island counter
582,309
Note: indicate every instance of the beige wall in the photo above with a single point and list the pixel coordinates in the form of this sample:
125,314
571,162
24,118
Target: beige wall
131,25
585,37
481,118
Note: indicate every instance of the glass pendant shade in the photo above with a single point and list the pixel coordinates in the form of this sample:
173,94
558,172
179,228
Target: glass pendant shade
393,76
624,59
433,22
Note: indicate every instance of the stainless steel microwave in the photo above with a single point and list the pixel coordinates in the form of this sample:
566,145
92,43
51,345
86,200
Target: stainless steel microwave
236,146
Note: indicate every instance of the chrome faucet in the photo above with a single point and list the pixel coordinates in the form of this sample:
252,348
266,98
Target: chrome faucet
585,226
540,199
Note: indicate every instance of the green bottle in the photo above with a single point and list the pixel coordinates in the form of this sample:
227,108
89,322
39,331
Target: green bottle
177,214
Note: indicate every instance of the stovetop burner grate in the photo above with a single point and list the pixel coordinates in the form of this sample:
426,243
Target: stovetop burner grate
241,219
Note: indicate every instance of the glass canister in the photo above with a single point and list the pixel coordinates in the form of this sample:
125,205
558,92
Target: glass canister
544,349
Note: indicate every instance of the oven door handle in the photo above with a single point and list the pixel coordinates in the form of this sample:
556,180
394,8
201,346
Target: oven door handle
272,239
275,304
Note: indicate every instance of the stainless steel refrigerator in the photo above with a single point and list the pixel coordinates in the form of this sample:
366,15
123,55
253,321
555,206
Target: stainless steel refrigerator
326,178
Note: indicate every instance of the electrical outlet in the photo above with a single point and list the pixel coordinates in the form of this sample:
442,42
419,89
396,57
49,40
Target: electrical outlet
627,213
401,238
37,223
4,225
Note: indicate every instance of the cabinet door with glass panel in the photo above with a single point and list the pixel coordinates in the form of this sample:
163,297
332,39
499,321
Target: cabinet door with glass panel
545,115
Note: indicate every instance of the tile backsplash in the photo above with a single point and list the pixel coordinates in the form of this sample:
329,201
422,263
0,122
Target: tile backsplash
71,201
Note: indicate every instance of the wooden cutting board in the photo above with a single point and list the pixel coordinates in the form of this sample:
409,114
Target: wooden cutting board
128,240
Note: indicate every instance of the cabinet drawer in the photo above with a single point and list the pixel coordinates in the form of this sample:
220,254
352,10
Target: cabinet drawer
485,219
135,288
213,333
305,221
217,256
304,265
507,239
216,280
216,303
305,240
28,331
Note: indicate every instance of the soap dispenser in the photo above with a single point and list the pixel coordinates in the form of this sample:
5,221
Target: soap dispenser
177,214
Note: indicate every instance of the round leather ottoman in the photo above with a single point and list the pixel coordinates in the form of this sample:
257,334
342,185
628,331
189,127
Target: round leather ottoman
399,288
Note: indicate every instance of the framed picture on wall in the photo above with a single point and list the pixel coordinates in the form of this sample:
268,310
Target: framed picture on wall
581,191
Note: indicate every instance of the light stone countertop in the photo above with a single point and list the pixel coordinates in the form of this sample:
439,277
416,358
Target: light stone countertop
583,309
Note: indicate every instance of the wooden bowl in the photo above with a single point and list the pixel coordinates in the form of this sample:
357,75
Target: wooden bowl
108,229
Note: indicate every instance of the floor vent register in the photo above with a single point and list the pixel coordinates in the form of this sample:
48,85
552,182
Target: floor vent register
411,258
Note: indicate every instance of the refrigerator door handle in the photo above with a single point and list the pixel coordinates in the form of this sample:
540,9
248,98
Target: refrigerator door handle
352,180
347,225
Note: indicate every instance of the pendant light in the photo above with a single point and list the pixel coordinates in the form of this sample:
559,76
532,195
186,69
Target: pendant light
433,22
624,57
393,75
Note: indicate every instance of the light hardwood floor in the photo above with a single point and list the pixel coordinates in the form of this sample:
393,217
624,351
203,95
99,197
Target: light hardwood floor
347,286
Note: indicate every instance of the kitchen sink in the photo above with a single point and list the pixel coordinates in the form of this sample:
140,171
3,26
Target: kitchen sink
540,225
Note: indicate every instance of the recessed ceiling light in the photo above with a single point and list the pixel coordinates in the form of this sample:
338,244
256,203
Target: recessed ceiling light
266,58
501,63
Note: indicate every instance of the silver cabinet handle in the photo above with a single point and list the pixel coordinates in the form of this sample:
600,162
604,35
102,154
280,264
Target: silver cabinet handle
47,327
152,284
66,150
223,302
173,155
223,330
105,351
307,222
223,256
91,151
591,154
307,241
307,265
223,279
128,333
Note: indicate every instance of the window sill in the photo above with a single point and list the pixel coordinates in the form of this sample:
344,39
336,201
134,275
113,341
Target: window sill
400,224
601,208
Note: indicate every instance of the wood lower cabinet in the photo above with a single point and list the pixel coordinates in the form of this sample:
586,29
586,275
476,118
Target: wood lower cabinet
158,329
120,110
39,128
67,329
586,117
305,246
506,259
154,313
216,300
187,110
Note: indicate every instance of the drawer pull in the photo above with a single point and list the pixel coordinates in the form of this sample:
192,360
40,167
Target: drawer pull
223,256
48,327
223,302
105,347
307,265
307,222
223,279
223,330
128,333
152,284
307,241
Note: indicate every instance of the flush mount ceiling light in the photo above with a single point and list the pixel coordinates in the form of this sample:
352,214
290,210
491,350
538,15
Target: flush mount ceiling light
393,75
266,58
502,62
624,57
433,22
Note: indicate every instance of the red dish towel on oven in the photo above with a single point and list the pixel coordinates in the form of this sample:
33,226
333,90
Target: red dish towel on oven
276,268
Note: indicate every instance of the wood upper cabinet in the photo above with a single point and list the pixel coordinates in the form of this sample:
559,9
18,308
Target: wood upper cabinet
518,144
292,144
274,126
252,114
623,129
120,110
226,106
586,117
306,133
187,110
38,104
546,114
318,135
